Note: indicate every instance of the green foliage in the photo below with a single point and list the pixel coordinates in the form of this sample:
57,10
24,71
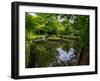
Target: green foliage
82,29
49,24
56,28
68,27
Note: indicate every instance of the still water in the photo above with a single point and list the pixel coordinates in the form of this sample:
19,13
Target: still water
54,53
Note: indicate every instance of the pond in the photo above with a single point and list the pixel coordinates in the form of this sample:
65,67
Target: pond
54,53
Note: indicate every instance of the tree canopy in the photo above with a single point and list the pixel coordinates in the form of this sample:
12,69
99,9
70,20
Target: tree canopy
58,24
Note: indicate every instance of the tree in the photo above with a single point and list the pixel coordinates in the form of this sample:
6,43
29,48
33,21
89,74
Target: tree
81,25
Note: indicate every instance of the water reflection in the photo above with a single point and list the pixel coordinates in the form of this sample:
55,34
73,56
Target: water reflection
54,53
65,56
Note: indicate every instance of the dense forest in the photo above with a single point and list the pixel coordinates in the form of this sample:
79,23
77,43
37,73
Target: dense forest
45,32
